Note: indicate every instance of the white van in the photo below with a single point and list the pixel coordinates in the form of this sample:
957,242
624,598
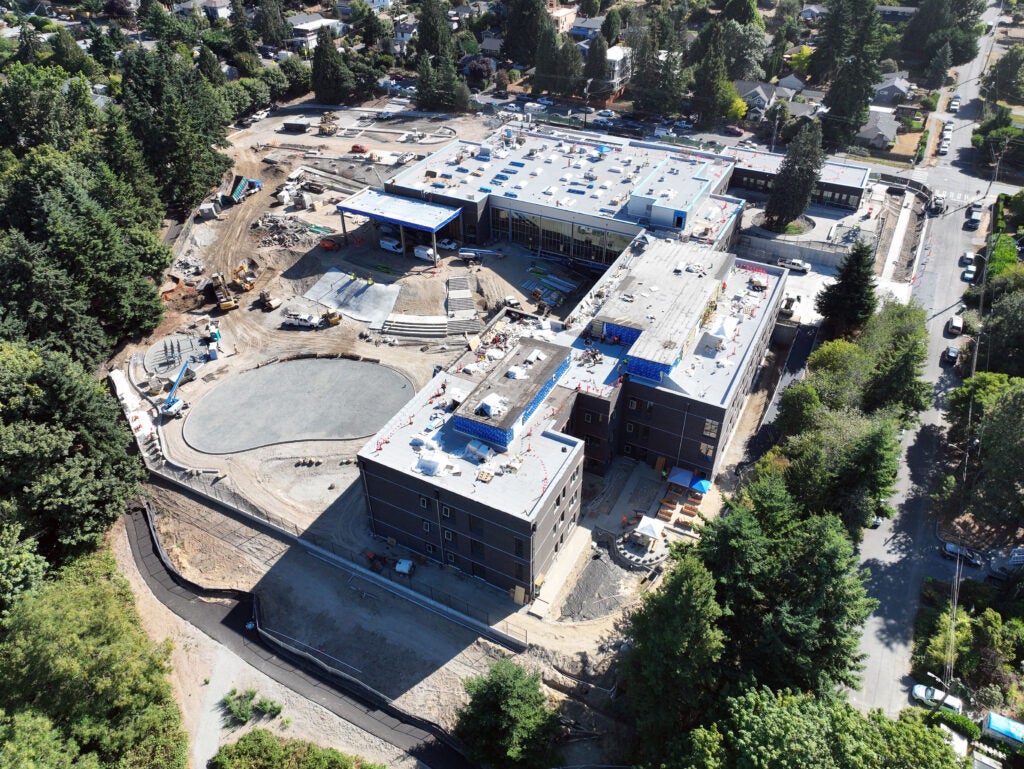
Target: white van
956,325
392,245
426,253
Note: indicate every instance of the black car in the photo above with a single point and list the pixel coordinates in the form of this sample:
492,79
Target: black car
952,552
951,354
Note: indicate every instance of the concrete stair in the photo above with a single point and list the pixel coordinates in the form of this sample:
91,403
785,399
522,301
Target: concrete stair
421,326
462,318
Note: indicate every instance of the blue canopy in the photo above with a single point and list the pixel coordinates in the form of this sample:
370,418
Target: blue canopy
702,485
604,149
680,477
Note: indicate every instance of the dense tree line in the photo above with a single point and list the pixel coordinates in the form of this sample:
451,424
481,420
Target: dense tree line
259,749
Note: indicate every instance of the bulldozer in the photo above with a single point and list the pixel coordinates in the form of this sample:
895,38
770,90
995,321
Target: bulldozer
267,302
225,299
328,124
245,278
330,318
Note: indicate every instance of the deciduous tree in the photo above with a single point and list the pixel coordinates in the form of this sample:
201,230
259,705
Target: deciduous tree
507,721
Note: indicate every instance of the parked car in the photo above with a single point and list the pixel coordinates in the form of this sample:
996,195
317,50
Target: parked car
732,130
392,245
955,325
795,265
385,115
587,110
973,220
448,244
954,104
938,204
970,273
968,556
546,101
606,113
951,354
358,149
943,149
930,697
967,259
601,121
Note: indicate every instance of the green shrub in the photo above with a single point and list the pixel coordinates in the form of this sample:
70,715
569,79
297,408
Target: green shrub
930,102
959,723
268,707
1004,255
239,704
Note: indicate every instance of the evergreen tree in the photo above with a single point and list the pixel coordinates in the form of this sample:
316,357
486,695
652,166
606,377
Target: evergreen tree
434,34
743,12
793,185
545,76
68,55
590,8
938,68
30,44
671,670
744,50
852,89
710,79
102,48
848,303
271,25
596,66
426,84
332,80
570,68
447,80
1005,78
834,40
209,66
522,28
241,36
611,26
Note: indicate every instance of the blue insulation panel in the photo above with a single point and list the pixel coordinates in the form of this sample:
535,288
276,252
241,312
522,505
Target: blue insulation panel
546,389
648,369
626,335
488,433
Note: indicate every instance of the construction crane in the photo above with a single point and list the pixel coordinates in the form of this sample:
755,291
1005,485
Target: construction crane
328,124
173,406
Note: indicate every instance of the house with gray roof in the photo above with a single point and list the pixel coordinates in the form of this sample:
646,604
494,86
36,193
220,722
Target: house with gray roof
880,130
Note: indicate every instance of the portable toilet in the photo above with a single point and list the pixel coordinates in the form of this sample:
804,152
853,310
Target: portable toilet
213,351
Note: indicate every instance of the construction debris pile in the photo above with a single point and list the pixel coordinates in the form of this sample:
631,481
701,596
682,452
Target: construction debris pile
188,266
286,232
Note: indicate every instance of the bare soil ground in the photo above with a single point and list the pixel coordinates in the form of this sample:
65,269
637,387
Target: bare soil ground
204,671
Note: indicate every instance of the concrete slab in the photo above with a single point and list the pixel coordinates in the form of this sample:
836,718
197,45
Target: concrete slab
300,400
357,298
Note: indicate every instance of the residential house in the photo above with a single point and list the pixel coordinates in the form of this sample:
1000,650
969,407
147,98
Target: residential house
813,12
757,96
214,10
405,30
491,46
893,89
620,66
586,29
344,7
563,18
880,130
896,14
305,27
793,82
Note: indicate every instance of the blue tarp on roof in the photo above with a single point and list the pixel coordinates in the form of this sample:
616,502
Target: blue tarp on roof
1005,727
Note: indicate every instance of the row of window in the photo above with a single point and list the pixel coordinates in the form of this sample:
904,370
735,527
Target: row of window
711,428
707,450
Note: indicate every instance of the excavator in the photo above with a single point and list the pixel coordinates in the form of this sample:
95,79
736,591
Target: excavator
225,299
330,318
245,278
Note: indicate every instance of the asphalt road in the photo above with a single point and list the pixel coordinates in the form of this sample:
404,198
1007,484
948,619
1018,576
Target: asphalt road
225,622
903,551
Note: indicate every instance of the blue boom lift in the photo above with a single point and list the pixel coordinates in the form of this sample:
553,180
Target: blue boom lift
172,407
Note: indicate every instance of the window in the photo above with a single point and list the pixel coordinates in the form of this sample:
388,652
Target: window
430,549
451,557
448,536
476,547
631,404
627,450
446,511
519,546
707,450
426,526
587,417
519,571
630,427
711,428
423,502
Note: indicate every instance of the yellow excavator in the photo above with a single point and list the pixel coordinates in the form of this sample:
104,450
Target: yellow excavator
328,124
245,278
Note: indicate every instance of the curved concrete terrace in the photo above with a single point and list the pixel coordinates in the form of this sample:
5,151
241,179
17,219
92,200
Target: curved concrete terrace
299,400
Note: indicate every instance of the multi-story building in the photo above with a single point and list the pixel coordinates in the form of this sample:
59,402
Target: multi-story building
481,470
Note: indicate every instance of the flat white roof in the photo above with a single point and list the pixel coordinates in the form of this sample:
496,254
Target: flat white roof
843,174
395,209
